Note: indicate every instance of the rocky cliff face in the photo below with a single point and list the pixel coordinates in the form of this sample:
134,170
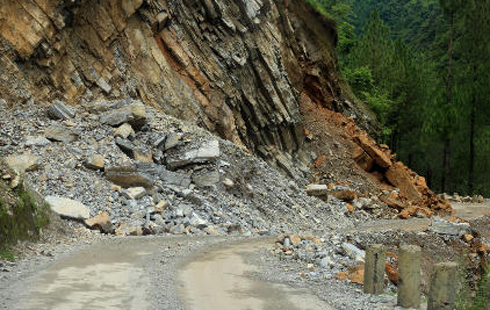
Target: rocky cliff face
260,73
237,68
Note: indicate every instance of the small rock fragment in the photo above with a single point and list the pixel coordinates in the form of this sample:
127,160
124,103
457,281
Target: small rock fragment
124,131
60,134
58,110
134,193
95,162
101,222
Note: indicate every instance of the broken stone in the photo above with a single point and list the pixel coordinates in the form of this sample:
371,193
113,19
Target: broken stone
206,152
124,131
134,193
354,252
197,221
172,140
398,176
101,222
295,239
317,190
344,195
177,229
145,156
161,206
369,146
363,160
36,141
134,114
393,203
68,208
23,163
128,176
452,229
467,238
95,162
60,134
175,178
207,179
136,231
58,110
134,152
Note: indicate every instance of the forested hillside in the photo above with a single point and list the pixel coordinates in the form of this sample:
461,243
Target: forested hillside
423,67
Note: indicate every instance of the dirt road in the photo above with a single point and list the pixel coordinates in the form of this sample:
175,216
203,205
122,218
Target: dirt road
131,274
220,280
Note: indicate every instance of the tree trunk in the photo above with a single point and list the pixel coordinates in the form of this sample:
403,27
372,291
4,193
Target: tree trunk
446,165
471,175
446,173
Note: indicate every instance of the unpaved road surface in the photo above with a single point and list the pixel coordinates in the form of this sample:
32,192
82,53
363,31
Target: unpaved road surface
221,280
154,273
104,276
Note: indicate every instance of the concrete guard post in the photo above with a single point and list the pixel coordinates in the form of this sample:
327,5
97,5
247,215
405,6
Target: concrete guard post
374,269
409,276
443,287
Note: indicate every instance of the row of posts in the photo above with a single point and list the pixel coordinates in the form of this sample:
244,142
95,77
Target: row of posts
443,286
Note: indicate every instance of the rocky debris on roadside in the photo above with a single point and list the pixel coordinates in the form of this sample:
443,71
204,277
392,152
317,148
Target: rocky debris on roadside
466,199
446,228
185,181
101,222
324,191
378,161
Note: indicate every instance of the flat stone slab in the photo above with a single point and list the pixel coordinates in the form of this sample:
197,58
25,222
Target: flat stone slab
68,208
207,151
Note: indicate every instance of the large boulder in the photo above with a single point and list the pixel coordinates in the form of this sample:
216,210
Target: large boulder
68,208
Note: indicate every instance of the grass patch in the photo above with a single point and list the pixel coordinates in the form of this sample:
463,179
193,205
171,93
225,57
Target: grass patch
5,254
477,299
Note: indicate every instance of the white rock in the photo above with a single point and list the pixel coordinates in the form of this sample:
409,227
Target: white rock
68,208
134,193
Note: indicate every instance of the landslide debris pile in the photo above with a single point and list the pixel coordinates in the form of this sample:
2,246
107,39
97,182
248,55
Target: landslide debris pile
394,184
244,70
121,167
